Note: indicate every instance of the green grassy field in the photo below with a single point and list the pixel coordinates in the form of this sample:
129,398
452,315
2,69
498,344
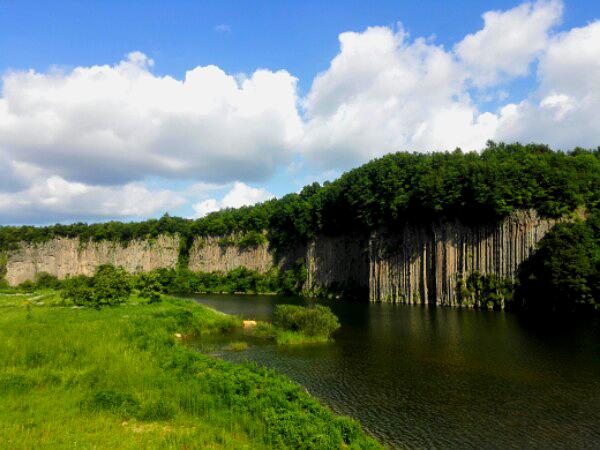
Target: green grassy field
119,377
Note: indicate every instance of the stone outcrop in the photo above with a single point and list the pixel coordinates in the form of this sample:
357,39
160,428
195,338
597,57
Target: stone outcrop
415,264
208,255
64,256
422,264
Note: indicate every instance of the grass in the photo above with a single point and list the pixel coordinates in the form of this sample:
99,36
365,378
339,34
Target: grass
119,378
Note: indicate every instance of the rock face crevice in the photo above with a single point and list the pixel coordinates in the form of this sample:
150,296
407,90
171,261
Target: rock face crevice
414,264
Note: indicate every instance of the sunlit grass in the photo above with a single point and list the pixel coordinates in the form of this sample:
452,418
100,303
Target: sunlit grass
119,377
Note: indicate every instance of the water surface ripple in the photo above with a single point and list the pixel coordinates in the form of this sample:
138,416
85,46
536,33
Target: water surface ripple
420,377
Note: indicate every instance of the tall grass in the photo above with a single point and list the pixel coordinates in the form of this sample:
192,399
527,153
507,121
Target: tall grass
120,377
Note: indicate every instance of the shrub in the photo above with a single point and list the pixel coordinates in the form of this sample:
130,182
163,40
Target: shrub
109,286
316,321
43,280
78,290
149,287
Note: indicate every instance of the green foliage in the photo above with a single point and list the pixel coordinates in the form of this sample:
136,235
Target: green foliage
563,274
148,286
311,321
43,280
226,241
238,280
386,192
119,378
485,291
251,239
109,286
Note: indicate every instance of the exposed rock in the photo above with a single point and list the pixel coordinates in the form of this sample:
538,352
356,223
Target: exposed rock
422,264
63,256
337,263
416,264
207,255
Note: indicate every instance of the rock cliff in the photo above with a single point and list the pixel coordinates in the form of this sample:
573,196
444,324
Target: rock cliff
415,264
421,264
207,255
64,256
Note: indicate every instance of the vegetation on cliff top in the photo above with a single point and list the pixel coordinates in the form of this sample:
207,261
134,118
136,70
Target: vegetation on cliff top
385,192
121,376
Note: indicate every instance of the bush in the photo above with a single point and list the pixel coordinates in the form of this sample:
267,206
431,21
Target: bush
149,287
109,286
316,321
43,280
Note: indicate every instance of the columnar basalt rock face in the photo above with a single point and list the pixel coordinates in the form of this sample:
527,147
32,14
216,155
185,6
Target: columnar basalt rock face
338,263
423,264
207,255
64,256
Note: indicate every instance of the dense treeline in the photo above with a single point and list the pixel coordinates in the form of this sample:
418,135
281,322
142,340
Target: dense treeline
386,192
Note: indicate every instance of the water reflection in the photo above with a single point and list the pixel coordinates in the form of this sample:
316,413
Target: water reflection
439,378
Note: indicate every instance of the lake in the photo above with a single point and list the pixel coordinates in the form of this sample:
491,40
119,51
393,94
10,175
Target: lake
421,377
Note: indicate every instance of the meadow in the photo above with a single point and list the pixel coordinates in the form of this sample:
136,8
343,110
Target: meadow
124,377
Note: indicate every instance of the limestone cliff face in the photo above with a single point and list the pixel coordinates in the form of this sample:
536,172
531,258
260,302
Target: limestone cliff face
64,256
206,255
422,264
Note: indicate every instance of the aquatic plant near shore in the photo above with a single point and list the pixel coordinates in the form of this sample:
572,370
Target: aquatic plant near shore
294,324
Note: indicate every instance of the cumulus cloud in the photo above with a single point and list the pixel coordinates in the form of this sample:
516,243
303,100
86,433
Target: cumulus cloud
121,123
509,41
382,93
56,199
563,110
240,195
84,142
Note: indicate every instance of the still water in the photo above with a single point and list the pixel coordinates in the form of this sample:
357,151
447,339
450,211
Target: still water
419,377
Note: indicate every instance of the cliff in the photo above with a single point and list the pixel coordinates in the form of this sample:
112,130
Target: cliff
422,264
208,255
64,256
414,264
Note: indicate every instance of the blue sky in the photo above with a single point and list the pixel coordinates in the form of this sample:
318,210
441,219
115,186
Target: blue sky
441,76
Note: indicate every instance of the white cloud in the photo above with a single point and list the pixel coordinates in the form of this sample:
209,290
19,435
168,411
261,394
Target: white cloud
83,143
509,41
563,110
117,124
385,93
55,199
240,195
